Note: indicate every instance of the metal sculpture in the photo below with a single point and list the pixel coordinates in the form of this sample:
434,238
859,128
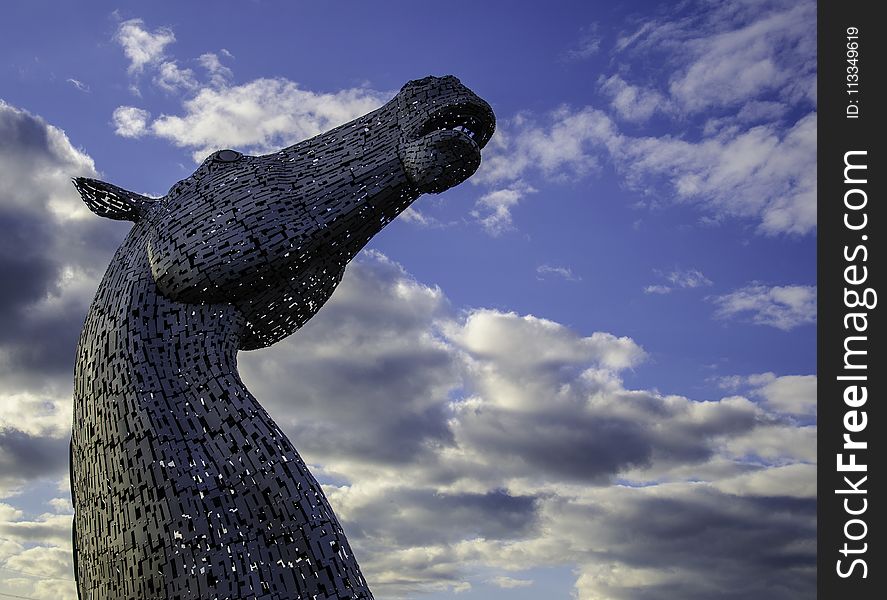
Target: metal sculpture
183,485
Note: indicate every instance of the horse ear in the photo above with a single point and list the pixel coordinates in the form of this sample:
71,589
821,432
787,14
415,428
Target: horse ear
110,201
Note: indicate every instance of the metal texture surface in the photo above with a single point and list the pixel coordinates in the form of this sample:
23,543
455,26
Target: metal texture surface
184,487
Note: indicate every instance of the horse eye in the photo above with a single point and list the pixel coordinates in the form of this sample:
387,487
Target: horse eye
227,156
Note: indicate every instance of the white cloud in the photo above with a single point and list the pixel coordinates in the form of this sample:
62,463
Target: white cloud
141,46
748,58
542,409
55,250
589,44
35,554
566,273
658,289
790,394
486,440
752,113
761,173
510,582
260,116
463,442
48,528
220,75
41,573
62,505
784,307
775,443
491,334
631,102
79,85
679,278
737,68
794,481
642,538
688,278
493,210
36,414
32,150
793,394
764,173
172,78
564,147
130,122
726,55
418,217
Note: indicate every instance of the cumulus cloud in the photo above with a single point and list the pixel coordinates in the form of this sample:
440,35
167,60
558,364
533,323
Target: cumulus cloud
791,481
778,443
493,210
130,121
784,307
257,116
48,528
511,429
668,542
260,116
35,553
794,394
55,250
171,77
391,407
146,52
220,75
454,444
561,146
790,394
142,47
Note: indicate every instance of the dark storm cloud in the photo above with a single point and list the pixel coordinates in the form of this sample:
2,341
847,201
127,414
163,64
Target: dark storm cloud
558,445
592,440
712,544
46,237
413,517
363,380
409,402
24,457
28,274
43,345
24,135
51,253
467,441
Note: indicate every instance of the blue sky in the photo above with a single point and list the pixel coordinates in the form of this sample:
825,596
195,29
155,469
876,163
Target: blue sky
588,371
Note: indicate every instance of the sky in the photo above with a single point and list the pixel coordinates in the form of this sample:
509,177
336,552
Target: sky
587,372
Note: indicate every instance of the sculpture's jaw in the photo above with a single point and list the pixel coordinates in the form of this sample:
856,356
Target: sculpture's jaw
445,125
469,116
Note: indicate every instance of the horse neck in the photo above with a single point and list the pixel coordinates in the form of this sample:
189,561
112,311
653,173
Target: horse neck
136,343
